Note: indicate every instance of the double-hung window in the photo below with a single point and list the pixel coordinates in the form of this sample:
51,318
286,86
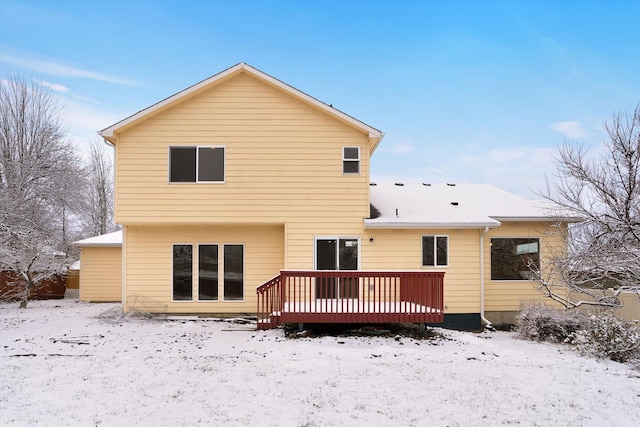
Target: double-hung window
197,164
351,160
435,251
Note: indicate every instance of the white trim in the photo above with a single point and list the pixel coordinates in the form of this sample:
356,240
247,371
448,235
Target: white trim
512,237
197,148
374,134
197,276
337,238
358,160
372,223
435,250
113,240
192,275
549,218
123,265
244,268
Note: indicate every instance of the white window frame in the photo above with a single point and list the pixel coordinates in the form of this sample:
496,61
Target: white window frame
435,250
539,238
221,272
197,273
197,148
194,294
358,160
337,238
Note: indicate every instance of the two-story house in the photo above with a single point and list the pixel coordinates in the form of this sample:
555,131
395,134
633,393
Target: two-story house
242,194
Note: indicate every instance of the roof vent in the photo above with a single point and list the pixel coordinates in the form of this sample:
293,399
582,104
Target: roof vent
454,203
399,184
373,184
426,184
450,185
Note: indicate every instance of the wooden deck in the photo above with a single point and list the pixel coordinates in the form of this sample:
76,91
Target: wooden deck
351,296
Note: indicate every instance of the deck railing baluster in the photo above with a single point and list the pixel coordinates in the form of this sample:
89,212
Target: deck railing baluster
366,297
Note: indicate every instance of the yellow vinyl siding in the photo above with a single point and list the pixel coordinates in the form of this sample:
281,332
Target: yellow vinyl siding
101,274
149,285
507,295
402,250
283,161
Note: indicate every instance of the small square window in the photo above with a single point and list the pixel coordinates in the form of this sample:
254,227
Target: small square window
351,160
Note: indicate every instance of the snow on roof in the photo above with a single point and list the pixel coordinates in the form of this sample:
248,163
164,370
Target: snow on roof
419,205
109,239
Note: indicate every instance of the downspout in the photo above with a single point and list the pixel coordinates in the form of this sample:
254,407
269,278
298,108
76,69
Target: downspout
486,323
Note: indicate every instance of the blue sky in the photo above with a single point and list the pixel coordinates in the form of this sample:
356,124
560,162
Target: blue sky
465,91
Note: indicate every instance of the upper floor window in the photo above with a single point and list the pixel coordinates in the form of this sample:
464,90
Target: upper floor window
514,258
350,159
196,164
435,251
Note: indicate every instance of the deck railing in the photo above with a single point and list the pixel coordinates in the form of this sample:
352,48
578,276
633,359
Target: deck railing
351,296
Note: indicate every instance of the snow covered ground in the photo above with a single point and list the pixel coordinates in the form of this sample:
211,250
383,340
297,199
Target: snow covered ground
68,363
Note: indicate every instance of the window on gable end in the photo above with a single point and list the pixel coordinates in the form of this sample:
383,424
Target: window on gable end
197,164
351,160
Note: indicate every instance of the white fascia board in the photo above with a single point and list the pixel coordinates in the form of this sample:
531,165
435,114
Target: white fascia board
109,132
96,245
373,133
549,218
431,225
113,239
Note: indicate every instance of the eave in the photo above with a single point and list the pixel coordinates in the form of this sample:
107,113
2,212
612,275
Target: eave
429,225
110,133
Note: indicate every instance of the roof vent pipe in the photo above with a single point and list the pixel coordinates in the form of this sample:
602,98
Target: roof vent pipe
396,212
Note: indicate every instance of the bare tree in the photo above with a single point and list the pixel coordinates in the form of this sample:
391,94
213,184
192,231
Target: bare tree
97,217
603,249
37,172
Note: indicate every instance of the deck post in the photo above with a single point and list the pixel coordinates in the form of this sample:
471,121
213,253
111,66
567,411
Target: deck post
422,329
300,327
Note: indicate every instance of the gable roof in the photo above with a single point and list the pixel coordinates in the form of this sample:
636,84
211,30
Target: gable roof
109,133
451,206
105,240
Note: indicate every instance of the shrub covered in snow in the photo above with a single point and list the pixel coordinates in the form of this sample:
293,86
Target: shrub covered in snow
609,336
602,334
537,322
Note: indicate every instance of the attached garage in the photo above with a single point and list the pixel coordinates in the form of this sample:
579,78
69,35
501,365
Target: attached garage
101,268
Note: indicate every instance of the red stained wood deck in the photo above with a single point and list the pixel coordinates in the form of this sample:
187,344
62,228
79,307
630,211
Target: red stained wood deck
351,297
